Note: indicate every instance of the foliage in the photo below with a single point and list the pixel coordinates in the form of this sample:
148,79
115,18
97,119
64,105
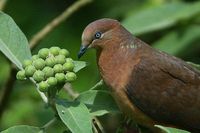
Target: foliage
13,43
152,19
99,102
75,115
172,27
22,129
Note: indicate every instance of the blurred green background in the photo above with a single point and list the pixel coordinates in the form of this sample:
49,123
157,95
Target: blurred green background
170,25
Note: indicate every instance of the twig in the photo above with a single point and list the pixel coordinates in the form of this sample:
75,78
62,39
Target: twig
49,124
8,90
50,26
33,42
68,88
100,83
99,124
2,4
94,128
42,95
56,21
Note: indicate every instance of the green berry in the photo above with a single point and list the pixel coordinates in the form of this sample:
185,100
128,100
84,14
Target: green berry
58,68
34,57
50,61
54,50
21,75
70,76
29,71
38,76
43,53
60,59
39,63
26,63
52,81
60,77
69,60
48,71
68,66
43,86
64,52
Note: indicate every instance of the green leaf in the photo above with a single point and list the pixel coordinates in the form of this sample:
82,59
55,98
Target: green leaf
99,102
22,129
13,42
171,130
176,43
159,17
75,116
79,65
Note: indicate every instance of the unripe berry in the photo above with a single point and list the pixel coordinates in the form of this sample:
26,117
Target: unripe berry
39,63
21,75
26,63
58,68
43,86
69,60
54,50
64,52
70,76
29,71
52,81
60,59
60,77
68,66
48,72
50,61
34,57
43,53
38,76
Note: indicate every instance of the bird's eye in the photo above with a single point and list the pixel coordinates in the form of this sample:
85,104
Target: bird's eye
97,35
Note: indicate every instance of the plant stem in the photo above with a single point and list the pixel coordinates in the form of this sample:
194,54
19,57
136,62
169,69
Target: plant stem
100,83
49,124
56,21
94,128
99,124
68,88
52,25
33,42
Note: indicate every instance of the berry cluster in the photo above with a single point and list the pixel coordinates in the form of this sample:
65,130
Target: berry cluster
50,67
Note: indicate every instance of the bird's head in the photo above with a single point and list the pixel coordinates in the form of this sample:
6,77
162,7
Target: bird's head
97,33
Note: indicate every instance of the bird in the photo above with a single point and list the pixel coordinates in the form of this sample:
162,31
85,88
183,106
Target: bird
150,86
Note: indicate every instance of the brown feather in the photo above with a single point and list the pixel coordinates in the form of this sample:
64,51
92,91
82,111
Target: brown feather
166,89
150,86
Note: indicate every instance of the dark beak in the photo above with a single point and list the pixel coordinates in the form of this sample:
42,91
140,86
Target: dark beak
83,49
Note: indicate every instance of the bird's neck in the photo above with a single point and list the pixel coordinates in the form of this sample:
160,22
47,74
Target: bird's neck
113,60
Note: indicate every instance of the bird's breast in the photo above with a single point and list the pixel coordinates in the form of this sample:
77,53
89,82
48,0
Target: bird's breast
114,68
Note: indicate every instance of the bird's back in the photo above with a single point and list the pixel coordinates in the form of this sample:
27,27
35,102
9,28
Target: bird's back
165,88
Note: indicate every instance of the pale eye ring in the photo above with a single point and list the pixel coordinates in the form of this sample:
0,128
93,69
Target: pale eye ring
97,35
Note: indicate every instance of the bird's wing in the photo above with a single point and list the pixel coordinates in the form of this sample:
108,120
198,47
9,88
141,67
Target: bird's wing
166,89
